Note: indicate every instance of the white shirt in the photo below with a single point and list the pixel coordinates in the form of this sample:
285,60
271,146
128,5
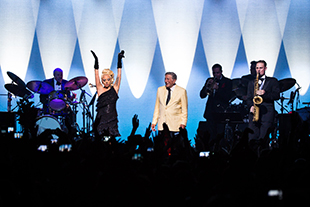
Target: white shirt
56,87
171,90
261,83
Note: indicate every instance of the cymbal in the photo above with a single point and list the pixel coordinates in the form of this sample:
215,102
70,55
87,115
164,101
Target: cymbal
18,90
235,83
16,79
240,92
240,82
76,83
247,78
239,88
40,87
286,84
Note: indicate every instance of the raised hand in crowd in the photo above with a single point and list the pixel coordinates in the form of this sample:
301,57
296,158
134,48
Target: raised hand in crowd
148,131
135,124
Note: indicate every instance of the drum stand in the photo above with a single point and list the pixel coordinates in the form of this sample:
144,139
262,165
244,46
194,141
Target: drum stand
86,114
282,104
229,118
91,103
75,125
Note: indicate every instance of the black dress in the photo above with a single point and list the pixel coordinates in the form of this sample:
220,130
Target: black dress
106,118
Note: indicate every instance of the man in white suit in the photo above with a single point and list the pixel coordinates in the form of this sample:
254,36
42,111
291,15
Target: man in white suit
170,106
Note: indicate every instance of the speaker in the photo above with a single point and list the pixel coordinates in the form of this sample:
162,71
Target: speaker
7,122
292,127
285,128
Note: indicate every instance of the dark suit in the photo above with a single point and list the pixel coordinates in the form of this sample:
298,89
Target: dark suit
266,110
217,102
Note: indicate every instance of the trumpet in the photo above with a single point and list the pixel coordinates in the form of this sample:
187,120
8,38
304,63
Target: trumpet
210,89
257,100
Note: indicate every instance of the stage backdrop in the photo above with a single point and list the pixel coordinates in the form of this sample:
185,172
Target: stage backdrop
186,37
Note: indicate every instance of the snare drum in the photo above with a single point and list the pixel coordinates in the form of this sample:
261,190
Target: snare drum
46,122
57,100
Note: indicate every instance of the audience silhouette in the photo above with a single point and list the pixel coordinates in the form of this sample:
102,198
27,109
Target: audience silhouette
152,170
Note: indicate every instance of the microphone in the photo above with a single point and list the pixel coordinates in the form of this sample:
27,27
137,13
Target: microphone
82,96
91,85
297,89
292,97
293,94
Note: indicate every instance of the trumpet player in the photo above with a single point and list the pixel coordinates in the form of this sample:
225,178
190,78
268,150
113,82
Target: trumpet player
261,94
219,91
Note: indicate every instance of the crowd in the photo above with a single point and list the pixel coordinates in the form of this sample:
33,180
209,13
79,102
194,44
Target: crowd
146,170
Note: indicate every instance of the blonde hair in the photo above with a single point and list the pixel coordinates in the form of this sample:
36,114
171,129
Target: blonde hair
108,72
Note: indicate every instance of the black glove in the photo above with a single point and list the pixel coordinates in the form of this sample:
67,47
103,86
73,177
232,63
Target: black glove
96,66
119,59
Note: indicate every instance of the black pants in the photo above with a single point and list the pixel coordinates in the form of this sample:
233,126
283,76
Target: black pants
258,140
171,141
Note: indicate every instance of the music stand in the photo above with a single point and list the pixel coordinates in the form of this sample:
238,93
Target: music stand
232,117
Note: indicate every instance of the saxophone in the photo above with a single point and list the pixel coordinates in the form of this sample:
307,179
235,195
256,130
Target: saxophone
256,100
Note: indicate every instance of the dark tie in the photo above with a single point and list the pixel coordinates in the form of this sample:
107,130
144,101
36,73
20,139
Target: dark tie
169,94
58,83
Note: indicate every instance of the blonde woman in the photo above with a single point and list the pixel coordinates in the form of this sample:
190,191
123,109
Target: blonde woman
106,118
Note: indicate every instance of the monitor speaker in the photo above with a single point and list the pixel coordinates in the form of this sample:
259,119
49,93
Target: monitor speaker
7,122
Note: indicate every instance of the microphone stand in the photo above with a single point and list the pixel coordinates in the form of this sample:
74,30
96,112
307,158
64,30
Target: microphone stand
86,113
9,101
91,103
292,98
282,104
297,98
84,103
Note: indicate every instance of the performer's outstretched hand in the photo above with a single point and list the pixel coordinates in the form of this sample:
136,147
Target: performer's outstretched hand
119,59
96,66
121,54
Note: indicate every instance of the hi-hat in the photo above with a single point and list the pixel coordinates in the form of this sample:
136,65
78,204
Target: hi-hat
286,84
235,83
40,87
239,88
76,83
16,79
18,90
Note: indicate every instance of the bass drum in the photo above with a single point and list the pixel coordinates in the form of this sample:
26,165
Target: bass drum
46,122
57,100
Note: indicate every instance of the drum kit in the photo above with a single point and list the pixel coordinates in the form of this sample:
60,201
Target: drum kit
58,102
240,86
238,113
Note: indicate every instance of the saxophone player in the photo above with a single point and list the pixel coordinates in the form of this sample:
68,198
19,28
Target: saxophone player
268,89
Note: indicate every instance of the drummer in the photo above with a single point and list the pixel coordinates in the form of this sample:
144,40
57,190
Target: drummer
246,79
58,84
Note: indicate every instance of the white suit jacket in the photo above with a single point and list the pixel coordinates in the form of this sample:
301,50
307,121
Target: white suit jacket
175,113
